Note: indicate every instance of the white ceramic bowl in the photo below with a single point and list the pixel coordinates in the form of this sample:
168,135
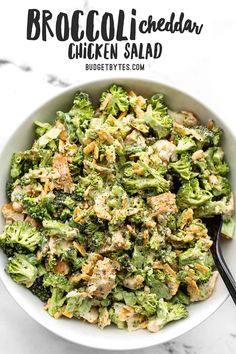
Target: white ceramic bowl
76,331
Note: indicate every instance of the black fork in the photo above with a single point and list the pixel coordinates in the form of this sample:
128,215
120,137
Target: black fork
214,226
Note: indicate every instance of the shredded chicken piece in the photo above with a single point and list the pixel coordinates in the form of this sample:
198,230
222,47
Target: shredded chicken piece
91,316
154,325
61,267
100,207
10,214
103,278
119,241
135,282
32,221
185,118
123,312
88,267
65,182
197,155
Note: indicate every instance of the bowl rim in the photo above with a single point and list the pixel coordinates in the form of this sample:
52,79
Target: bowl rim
78,86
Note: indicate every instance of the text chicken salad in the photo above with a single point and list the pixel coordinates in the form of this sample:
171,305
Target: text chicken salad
105,220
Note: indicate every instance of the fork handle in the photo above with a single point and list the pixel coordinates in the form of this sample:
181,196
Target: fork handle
224,270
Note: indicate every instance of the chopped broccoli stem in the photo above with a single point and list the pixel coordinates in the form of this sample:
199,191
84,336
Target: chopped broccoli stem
228,227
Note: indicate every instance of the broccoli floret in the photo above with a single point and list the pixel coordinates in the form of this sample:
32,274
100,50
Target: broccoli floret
159,120
70,255
22,161
130,298
41,128
63,204
39,290
72,132
93,179
217,135
21,270
203,276
22,234
94,125
57,228
76,163
157,102
171,222
157,117
114,100
77,304
118,294
181,298
228,227
160,184
97,240
206,134
223,206
176,312
219,186
115,319
166,312
57,280
88,228
148,302
185,144
55,302
82,109
10,185
212,163
154,172
215,161
40,209
167,255
156,240
196,254
156,282
77,120
183,167
16,167
124,261
190,195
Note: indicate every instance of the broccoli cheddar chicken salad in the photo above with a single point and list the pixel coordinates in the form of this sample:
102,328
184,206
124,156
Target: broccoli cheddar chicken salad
105,220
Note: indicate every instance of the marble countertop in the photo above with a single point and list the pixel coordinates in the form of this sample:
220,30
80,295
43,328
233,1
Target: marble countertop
205,67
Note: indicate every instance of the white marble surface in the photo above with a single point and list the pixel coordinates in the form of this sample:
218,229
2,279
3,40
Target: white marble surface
32,72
